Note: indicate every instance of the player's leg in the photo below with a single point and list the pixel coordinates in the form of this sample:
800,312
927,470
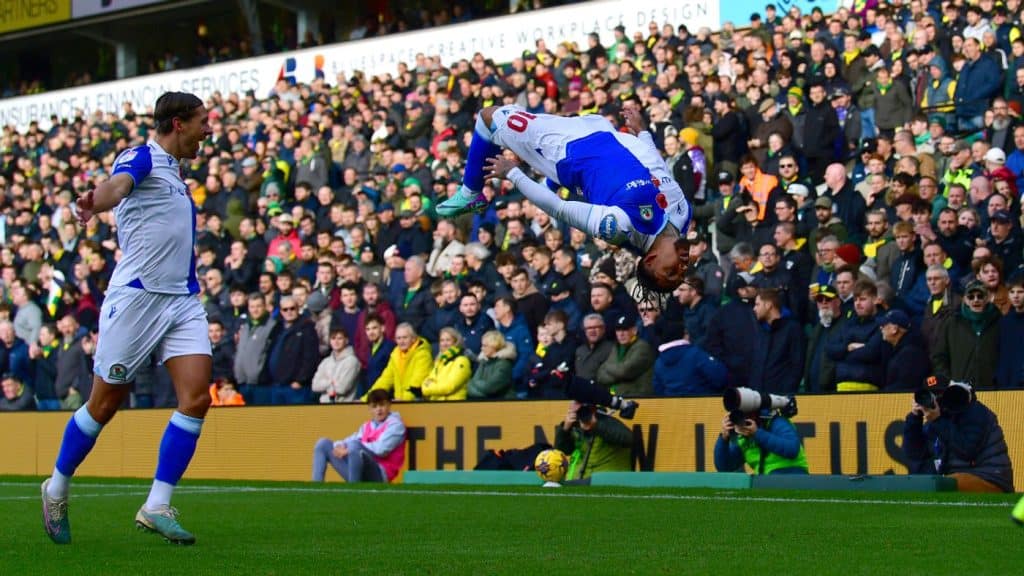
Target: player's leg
129,336
188,359
469,197
79,438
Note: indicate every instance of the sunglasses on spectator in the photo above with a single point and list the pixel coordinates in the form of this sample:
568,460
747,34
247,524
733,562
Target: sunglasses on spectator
822,299
974,296
787,165
289,309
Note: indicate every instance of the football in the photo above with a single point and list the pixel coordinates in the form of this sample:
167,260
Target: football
551,465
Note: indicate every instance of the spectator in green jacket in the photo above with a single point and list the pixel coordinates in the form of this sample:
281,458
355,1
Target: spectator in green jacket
493,375
629,369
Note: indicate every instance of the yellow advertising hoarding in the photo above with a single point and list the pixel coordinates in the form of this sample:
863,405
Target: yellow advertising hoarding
843,434
21,14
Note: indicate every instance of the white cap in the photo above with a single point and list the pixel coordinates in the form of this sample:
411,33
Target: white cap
391,251
995,156
798,189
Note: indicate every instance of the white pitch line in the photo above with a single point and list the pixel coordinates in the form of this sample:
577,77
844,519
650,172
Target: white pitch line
546,494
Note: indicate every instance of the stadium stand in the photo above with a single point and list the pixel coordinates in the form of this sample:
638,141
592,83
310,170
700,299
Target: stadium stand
791,131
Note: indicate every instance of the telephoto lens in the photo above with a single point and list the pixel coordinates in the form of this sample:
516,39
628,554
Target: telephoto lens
925,398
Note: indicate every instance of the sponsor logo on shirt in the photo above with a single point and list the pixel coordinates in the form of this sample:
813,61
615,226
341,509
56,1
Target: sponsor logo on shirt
638,183
609,228
127,156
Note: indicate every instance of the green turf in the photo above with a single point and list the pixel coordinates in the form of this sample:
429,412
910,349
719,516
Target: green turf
277,528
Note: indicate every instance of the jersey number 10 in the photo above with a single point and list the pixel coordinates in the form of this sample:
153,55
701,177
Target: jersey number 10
519,120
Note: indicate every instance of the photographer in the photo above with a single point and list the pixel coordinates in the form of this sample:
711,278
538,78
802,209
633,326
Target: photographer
594,441
763,438
949,432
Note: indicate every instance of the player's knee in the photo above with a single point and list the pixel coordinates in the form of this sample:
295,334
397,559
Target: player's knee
195,404
323,444
103,410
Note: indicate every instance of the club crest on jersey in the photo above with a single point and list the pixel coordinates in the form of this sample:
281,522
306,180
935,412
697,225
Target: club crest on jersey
646,211
118,372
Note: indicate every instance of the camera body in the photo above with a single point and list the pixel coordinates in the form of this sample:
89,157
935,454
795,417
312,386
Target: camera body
953,398
586,413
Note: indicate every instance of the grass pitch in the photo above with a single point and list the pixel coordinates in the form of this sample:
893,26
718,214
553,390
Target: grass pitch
275,528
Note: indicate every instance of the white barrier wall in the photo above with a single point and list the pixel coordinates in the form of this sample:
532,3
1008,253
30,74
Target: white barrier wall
499,38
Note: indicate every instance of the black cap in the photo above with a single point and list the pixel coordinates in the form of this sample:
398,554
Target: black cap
1002,216
625,321
725,178
557,286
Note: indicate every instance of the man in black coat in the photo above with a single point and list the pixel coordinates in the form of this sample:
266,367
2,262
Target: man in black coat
906,363
847,203
294,356
821,129
735,322
778,363
729,136
962,439
223,348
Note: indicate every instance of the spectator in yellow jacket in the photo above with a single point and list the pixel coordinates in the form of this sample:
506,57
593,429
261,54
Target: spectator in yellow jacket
451,371
408,365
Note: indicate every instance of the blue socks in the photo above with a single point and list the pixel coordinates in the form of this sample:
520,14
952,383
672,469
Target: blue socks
480,149
79,438
176,451
177,447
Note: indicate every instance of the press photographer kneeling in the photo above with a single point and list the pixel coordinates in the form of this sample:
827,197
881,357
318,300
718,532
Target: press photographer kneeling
757,431
949,432
595,442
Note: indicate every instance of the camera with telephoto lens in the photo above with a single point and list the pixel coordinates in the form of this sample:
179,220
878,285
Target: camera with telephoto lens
952,397
585,413
742,401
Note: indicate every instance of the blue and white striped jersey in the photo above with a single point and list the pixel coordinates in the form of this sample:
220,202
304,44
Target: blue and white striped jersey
156,224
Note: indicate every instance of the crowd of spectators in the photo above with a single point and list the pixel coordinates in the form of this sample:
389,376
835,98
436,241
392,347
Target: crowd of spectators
854,180
213,45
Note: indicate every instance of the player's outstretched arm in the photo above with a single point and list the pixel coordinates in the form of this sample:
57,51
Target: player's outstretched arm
104,197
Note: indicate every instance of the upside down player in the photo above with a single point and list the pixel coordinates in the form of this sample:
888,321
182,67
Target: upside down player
630,198
151,305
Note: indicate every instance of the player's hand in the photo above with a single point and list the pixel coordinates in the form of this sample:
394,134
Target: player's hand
340,451
633,117
499,166
83,207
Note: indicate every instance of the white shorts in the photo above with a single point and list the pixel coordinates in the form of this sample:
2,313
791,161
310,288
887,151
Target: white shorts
540,139
134,324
